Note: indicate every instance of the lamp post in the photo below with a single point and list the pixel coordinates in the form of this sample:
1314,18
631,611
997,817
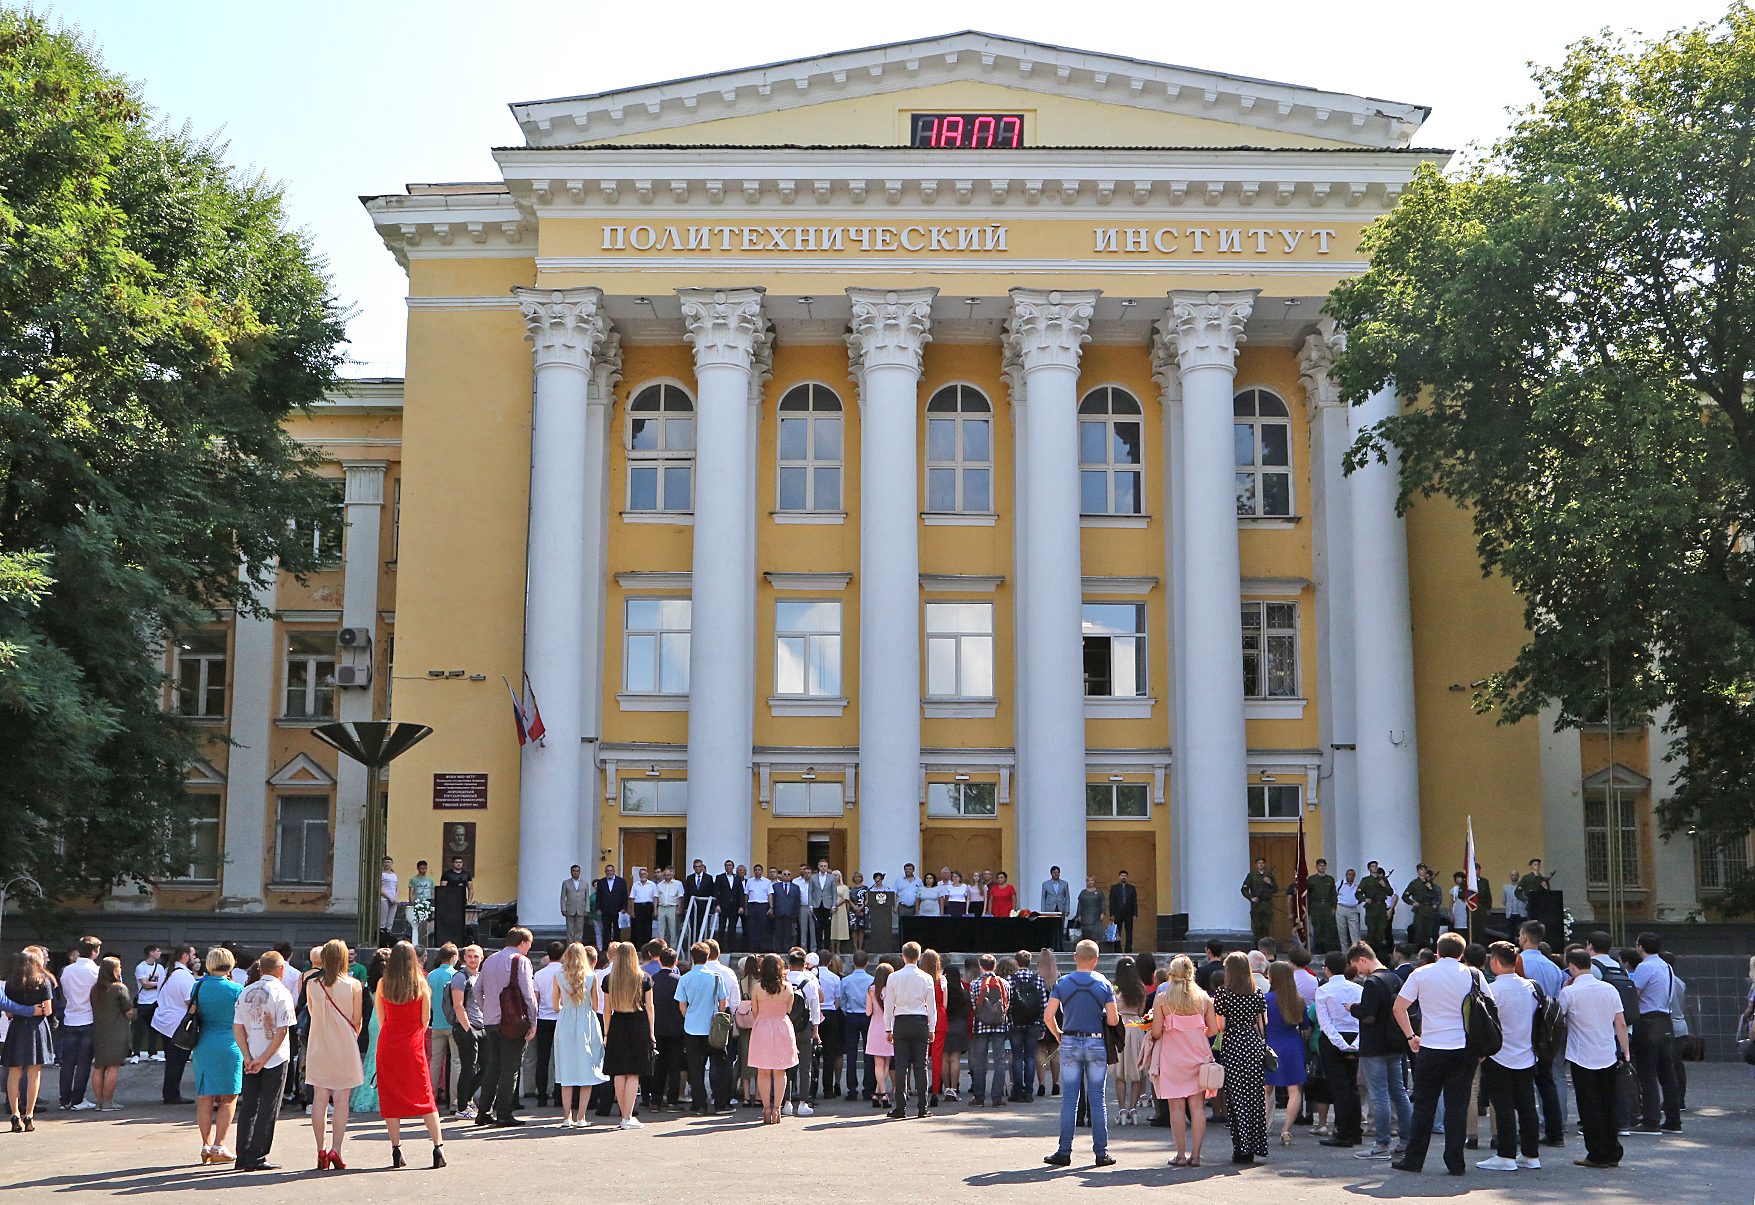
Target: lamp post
9,884
374,744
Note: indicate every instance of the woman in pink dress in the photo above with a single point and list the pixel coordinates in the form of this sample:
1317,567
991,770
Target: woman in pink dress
1182,1022
773,1046
877,1041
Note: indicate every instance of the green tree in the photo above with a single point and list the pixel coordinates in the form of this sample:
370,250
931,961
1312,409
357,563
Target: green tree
158,322
1576,316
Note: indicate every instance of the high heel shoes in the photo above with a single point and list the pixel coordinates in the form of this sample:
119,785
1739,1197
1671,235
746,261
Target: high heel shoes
17,1124
322,1161
335,1161
396,1159
439,1155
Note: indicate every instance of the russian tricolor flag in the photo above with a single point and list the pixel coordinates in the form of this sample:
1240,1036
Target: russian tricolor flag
528,721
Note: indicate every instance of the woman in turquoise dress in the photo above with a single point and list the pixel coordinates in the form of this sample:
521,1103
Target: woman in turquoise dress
578,1034
365,1097
219,1065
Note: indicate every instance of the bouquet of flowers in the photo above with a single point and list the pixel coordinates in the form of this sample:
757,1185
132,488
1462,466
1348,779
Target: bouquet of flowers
420,911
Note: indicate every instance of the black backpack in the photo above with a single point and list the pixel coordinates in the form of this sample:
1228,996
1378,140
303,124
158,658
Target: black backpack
1027,1002
1616,976
799,1013
1547,1027
990,1010
1484,1034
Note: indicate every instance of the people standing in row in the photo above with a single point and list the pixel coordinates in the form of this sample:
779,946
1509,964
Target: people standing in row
1338,1048
262,1019
333,1068
1183,1023
1654,1038
1508,1077
642,907
1442,1063
575,905
1090,910
910,1012
219,1066
403,1005
1286,1031
773,1043
1380,900
30,1036
1349,912
506,991
1322,899
1422,896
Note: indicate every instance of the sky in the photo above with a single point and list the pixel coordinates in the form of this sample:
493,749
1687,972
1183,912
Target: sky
340,100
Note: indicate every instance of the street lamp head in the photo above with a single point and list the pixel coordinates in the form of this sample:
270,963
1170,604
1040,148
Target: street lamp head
374,743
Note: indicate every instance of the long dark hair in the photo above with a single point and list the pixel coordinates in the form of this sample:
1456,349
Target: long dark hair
1127,984
956,995
28,974
771,978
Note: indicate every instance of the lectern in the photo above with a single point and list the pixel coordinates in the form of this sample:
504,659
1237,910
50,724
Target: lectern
880,911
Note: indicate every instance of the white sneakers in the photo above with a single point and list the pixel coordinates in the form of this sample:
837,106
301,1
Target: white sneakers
1498,1163
159,1057
132,1059
83,1106
1529,1161
802,1109
632,1123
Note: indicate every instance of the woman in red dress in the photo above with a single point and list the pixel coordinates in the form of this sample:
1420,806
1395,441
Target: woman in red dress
405,1087
929,963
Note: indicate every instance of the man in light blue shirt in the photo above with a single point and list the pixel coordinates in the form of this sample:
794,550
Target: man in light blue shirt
1654,1040
1539,969
701,993
853,989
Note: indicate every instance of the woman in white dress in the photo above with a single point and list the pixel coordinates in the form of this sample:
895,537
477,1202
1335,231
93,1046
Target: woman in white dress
578,1033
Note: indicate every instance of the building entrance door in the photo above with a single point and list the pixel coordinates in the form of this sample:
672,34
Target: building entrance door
653,848
1109,853
967,850
1281,852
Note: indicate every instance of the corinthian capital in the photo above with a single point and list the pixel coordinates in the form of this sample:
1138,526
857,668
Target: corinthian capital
889,328
1316,358
1047,328
606,372
1208,326
566,325
724,326
1165,370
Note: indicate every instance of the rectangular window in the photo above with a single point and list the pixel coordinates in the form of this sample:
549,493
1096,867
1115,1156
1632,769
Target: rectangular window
959,650
807,649
1121,800
656,647
302,839
310,676
1273,801
1719,860
1115,649
204,809
201,673
1270,650
962,799
808,798
655,796
324,537
1600,835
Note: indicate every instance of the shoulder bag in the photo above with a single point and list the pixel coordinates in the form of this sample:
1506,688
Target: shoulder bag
514,1012
1484,1034
188,1032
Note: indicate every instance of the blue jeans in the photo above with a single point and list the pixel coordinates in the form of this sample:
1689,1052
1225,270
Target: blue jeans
987,1049
73,1050
1383,1079
1024,1059
1083,1061
857,1025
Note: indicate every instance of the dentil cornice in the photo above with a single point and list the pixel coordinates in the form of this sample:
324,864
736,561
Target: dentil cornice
1048,327
566,325
724,326
1316,357
889,328
1208,326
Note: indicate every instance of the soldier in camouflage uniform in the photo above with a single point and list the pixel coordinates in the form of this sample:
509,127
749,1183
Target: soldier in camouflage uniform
1259,889
1378,897
1423,896
1321,898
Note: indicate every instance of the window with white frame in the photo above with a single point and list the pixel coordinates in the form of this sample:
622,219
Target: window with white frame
807,649
310,676
962,799
656,646
811,454
1270,650
661,449
1264,455
201,673
959,451
1120,800
1273,801
1115,649
301,845
655,796
959,650
1110,453
1719,860
808,799
1611,835
203,819
324,537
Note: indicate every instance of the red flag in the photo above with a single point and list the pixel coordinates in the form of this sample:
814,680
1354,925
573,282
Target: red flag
517,714
534,721
1300,902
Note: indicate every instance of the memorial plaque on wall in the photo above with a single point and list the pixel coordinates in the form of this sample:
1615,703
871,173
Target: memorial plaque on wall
459,842
460,791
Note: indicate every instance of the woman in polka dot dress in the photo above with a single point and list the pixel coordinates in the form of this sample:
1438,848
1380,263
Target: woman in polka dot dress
1244,1012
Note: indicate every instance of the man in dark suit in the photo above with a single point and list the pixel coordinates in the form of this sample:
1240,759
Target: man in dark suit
788,906
1124,907
611,894
728,898
698,884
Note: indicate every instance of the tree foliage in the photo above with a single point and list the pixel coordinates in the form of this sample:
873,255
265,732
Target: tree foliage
158,322
1576,316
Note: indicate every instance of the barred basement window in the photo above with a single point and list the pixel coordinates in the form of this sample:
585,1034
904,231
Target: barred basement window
1718,860
1270,650
1598,831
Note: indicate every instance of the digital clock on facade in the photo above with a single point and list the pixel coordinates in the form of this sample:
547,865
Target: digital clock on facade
997,130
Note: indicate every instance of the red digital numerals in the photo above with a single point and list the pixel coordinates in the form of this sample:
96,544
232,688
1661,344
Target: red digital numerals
972,130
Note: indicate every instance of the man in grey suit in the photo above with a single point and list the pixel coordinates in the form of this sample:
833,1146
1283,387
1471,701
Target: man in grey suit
822,903
574,906
1057,897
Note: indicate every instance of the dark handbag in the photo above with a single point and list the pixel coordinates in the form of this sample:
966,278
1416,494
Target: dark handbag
1485,1035
514,1012
187,1035
1694,1048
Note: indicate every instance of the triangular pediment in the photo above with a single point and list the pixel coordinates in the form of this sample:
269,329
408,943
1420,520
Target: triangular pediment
1070,98
202,774
1623,778
302,771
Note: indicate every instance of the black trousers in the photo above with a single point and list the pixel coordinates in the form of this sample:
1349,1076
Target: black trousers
1553,1116
662,1086
759,922
698,1052
1596,1090
913,1043
721,1072
822,916
608,932
469,1044
640,917
785,934
176,1059
1446,1073
855,1026
499,1076
258,1107
147,1040
545,1048
1655,1058
728,930
1124,930
1341,1067
1512,1092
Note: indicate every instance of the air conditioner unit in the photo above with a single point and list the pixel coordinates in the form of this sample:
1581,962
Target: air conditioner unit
349,638
352,675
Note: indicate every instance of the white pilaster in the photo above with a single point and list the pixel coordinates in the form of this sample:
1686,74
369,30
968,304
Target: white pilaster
254,706
1562,845
1331,517
1383,659
1206,328
364,500
1674,893
1045,334
1013,371
567,329
728,332
888,333
1169,378
606,371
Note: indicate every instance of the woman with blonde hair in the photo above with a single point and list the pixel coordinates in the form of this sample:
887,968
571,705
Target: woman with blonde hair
112,1012
628,1045
1242,1008
404,1007
335,1001
219,1064
1183,1022
1047,1049
578,1035
840,931
773,1045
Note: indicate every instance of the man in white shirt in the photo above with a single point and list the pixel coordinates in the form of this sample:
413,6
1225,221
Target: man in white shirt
1349,910
1654,1040
173,1004
1442,1065
546,1016
759,903
1338,1048
1596,1041
388,884
910,1015
804,982
907,891
149,976
260,1022
73,1047
642,903
668,895
1508,1079
1508,899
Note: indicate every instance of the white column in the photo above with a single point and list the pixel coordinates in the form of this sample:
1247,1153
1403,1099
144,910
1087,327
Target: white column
364,500
606,371
888,332
1013,370
1331,516
254,652
1206,329
567,328
1562,844
1674,892
1045,333
1383,659
727,329
1169,379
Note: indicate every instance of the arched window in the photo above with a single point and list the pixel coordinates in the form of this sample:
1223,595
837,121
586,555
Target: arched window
661,449
959,451
810,449
1264,454
1110,453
